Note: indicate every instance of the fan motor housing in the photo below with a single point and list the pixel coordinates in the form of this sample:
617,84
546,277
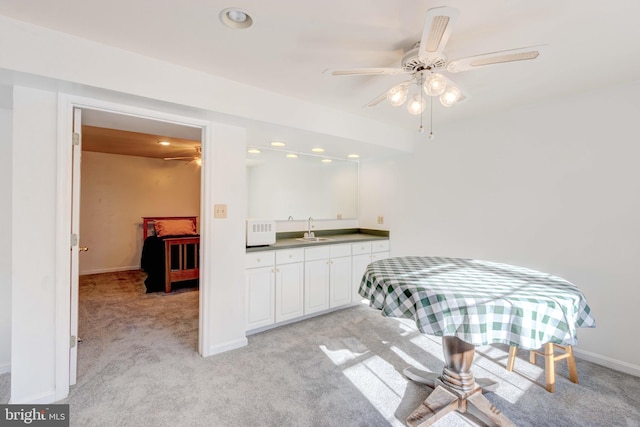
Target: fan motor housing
412,62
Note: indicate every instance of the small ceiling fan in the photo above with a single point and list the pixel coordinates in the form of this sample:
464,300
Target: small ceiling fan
427,59
197,157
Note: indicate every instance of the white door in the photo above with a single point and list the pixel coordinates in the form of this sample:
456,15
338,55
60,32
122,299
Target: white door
289,291
75,239
360,263
316,286
260,297
340,281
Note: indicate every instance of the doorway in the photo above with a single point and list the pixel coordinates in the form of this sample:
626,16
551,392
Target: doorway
143,122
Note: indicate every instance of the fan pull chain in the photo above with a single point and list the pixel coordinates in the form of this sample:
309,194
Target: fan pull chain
431,119
420,129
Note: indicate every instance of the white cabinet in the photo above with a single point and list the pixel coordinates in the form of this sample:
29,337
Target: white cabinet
260,285
316,279
327,277
340,276
363,254
274,281
289,284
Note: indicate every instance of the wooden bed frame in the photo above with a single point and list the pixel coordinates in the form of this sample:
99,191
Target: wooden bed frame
184,244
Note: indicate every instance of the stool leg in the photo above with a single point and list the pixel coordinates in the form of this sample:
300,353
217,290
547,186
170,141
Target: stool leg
549,367
512,357
571,363
532,357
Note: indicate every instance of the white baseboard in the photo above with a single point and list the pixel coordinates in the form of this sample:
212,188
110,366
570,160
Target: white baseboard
607,362
5,368
229,345
109,270
39,399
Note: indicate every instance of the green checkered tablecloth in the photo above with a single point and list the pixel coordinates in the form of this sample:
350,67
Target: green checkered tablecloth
480,302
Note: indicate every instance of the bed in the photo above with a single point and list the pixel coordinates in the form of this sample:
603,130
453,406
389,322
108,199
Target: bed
170,252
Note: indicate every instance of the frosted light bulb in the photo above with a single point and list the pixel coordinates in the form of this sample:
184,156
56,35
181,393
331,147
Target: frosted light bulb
416,105
450,97
397,95
435,85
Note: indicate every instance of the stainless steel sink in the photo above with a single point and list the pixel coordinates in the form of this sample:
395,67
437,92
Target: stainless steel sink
314,239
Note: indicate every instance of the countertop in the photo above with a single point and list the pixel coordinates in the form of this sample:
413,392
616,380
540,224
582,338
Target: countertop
292,242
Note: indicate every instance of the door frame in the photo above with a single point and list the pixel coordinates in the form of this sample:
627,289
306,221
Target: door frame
64,180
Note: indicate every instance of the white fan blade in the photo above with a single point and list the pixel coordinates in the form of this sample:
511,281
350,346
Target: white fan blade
366,71
378,99
437,29
494,58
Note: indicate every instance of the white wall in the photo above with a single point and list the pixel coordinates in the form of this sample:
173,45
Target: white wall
377,183
224,246
116,192
6,118
33,223
555,187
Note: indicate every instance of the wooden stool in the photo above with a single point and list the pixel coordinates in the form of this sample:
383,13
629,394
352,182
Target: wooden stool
549,362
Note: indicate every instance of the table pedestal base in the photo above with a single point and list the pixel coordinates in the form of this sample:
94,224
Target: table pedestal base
455,389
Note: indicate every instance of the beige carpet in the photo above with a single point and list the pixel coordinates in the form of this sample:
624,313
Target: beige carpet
138,366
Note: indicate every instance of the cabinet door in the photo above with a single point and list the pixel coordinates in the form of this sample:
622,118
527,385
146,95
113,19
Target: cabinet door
340,281
289,291
360,263
260,297
316,286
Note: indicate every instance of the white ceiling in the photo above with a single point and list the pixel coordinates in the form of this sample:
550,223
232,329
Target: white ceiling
592,43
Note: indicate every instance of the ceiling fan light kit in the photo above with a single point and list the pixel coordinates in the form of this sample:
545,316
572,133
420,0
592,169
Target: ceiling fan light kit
426,60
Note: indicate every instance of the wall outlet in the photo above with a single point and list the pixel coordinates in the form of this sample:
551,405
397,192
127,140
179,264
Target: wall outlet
219,211
380,219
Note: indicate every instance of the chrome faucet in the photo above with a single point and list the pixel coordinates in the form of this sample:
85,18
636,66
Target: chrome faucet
309,233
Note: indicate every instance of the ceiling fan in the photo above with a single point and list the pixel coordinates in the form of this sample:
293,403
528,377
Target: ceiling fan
427,59
197,157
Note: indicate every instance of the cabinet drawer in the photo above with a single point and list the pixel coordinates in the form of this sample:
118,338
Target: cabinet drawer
321,252
380,246
361,248
287,256
340,250
259,259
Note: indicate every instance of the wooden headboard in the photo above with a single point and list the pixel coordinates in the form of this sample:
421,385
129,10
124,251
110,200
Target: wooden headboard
149,220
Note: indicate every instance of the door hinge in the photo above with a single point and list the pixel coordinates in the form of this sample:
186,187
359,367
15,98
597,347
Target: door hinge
74,240
76,138
72,341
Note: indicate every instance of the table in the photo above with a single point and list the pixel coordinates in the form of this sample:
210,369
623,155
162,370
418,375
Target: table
469,303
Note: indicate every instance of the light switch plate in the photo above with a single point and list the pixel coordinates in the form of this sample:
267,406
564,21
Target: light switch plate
219,211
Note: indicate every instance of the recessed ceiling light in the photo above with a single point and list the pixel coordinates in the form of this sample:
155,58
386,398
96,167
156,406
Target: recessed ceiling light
164,143
253,151
235,18
353,156
318,150
278,144
327,160
292,156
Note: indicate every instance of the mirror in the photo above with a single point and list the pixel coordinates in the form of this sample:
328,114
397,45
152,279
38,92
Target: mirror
279,187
